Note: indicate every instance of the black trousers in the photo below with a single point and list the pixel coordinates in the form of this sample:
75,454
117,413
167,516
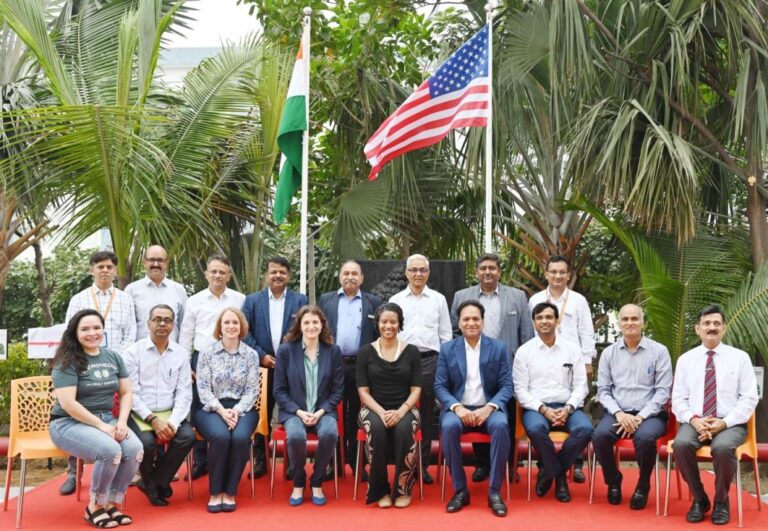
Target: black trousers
351,405
158,470
427,404
201,448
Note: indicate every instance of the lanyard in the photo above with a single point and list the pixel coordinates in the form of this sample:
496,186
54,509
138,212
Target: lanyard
562,310
97,306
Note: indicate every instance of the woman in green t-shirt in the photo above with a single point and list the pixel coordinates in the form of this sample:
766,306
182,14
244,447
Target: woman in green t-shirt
85,378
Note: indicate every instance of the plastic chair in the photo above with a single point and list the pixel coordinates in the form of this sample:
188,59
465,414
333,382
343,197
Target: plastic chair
469,437
31,402
748,448
628,446
279,435
359,464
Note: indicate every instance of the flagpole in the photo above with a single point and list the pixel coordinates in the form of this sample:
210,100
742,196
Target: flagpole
489,7
305,155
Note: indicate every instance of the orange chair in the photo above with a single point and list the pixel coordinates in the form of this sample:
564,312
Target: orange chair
31,402
748,448
359,464
279,435
469,437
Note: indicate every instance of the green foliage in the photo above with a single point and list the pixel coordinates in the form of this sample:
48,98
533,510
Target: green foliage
16,366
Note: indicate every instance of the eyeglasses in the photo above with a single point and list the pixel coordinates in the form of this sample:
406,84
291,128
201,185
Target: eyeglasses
162,320
155,260
422,270
557,273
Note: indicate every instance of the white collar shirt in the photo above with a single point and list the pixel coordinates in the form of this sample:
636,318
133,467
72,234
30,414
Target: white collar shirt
427,321
146,295
473,387
117,309
276,315
575,319
200,314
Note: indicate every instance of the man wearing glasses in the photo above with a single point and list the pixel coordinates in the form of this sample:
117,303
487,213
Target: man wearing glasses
156,288
162,395
427,325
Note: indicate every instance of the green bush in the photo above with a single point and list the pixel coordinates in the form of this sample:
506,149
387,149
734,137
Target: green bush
16,366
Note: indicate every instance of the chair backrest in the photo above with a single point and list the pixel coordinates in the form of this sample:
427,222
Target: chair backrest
749,447
261,404
519,429
31,401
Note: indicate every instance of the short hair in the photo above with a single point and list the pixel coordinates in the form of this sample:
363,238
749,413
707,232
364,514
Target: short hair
218,257
155,245
389,307
709,310
350,261
556,258
279,260
161,307
240,317
471,302
543,306
488,257
632,305
294,332
410,259
100,256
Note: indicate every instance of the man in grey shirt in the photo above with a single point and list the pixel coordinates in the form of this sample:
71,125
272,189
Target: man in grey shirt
634,382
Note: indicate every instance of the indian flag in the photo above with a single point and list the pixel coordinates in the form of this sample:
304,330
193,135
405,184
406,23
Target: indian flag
289,138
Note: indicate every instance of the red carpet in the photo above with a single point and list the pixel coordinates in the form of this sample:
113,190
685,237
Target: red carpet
45,509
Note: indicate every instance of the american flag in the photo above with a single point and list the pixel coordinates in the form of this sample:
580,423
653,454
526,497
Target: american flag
455,96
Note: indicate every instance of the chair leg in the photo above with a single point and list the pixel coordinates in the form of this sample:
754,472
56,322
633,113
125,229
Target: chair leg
506,473
20,500
515,457
529,469
336,473
79,469
272,471
439,456
189,473
421,473
658,493
358,464
441,473
738,491
756,470
251,467
669,473
592,473
8,472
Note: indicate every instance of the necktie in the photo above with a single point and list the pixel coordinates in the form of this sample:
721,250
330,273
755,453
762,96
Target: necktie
710,387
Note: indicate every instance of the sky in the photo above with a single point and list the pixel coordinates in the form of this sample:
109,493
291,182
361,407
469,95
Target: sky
215,21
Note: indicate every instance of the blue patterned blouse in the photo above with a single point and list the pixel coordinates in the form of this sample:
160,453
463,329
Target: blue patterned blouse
221,374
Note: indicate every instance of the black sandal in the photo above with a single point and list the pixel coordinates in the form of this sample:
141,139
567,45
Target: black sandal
93,518
119,518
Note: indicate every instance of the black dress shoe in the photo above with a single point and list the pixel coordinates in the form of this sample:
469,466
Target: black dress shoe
69,486
150,491
614,491
259,469
543,484
578,475
562,494
639,499
459,500
165,492
199,471
721,514
497,505
697,511
427,477
480,473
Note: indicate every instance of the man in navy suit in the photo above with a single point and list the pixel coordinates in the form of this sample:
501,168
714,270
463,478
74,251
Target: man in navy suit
269,313
473,384
349,312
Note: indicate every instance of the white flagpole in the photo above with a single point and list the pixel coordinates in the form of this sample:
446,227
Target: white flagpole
489,7
305,156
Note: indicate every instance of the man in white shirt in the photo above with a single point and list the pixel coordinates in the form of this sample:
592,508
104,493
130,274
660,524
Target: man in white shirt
575,321
713,397
156,288
162,395
196,335
427,325
550,385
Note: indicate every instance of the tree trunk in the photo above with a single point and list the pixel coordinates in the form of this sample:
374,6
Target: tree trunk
758,225
43,290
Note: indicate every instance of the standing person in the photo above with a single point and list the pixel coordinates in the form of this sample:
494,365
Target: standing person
634,381
350,313
507,318
228,385
427,325
575,322
85,377
713,397
116,308
389,380
196,335
269,313
309,383
474,384
156,288
550,384
162,395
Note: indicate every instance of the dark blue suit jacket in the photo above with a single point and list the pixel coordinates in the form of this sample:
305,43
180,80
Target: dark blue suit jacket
256,310
495,373
291,380
329,303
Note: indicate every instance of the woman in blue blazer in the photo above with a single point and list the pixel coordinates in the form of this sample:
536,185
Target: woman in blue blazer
309,384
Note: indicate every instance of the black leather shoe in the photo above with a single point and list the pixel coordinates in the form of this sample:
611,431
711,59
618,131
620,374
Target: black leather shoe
578,475
165,492
459,500
152,495
698,510
199,471
68,487
427,477
497,505
259,469
639,499
562,494
614,491
543,484
480,473
721,514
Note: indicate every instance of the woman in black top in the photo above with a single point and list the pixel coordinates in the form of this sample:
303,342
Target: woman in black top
389,383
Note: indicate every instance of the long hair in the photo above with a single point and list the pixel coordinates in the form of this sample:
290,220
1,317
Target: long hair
70,351
294,332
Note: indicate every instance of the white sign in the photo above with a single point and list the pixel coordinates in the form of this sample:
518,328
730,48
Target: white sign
43,342
760,377
3,345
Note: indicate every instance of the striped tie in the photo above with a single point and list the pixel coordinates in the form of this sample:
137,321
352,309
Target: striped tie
710,387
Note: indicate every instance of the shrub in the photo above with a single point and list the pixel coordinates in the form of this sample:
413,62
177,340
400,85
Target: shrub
16,366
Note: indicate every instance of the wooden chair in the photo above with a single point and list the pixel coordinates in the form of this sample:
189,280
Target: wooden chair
31,402
748,448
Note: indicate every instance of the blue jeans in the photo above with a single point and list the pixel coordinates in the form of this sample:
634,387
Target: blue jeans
114,463
327,436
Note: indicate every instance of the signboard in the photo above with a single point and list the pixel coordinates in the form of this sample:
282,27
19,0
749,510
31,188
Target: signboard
3,345
760,377
43,342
